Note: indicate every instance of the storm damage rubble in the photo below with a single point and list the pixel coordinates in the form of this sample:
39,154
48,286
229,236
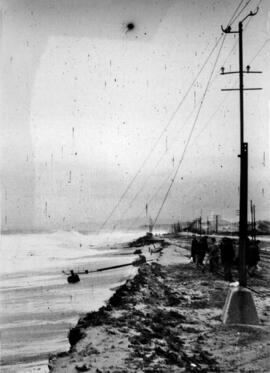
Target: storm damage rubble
167,319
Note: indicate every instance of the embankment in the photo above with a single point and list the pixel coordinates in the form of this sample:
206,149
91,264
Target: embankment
167,319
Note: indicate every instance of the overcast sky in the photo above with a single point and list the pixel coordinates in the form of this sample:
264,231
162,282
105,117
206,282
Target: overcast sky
85,100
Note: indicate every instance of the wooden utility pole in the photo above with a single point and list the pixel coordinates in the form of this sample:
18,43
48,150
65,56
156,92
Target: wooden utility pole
243,152
254,221
239,307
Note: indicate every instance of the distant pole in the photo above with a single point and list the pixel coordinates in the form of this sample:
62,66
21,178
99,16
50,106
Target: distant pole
216,223
254,221
251,218
200,220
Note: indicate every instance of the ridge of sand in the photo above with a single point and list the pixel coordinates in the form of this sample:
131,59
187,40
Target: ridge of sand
167,319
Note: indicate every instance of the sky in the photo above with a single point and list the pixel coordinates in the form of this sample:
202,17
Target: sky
96,118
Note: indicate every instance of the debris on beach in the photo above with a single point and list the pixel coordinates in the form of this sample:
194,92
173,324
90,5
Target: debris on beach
145,240
138,251
73,278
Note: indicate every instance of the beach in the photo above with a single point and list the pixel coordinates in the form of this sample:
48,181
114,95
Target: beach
38,306
168,319
128,132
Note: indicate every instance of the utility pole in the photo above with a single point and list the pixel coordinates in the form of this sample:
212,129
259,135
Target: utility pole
243,150
239,307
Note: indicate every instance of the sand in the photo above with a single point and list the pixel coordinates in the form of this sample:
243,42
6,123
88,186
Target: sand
168,319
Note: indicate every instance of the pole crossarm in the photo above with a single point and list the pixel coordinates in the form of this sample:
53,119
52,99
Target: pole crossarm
228,29
251,14
243,89
237,72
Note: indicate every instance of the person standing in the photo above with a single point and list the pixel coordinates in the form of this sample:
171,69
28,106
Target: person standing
213,256
201,251
227,257
194,249
253,256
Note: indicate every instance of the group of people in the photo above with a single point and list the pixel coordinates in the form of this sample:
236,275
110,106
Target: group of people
206,251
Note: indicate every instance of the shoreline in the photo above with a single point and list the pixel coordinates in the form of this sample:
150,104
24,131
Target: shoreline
167,318
44,306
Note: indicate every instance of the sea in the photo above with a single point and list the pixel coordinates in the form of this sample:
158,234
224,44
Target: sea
38,306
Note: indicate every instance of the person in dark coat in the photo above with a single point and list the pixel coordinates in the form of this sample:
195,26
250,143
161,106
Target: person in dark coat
227,257
202,250
252,256
205,244
213,256
194,249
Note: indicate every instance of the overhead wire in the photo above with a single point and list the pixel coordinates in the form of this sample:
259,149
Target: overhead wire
235,82
158,139
190,135
227,95
234,13
240,12
217,74
123,195
148,201
155,167
134,221
233,17
259,51
222,102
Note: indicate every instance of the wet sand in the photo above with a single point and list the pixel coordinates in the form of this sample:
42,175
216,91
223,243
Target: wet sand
38,306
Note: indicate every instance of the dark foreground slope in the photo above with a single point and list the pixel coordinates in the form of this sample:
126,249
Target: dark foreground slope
167,319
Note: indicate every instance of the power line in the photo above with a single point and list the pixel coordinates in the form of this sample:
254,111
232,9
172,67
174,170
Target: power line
232,17
240,12
156,165
236,42
259,51
212,116
217,74
185,122
163,131
158,139
190,134
234,84
151,199
222,102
